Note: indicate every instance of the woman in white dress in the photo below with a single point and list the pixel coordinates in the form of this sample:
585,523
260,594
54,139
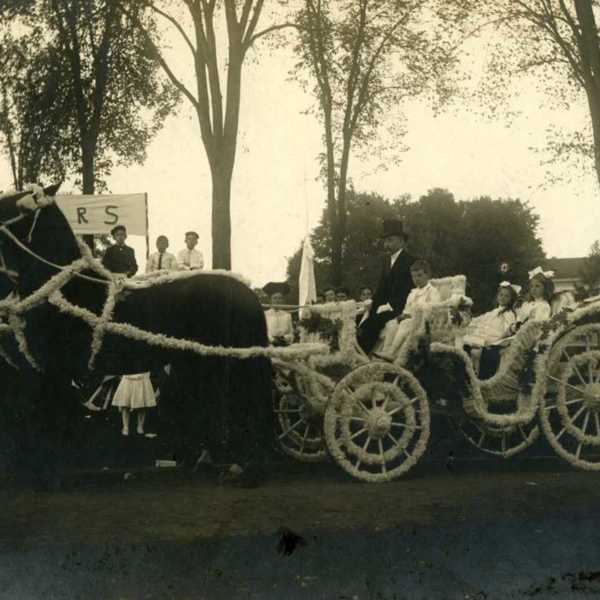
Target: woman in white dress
134,393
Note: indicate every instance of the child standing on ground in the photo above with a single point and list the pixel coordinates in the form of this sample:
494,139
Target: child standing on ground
135,393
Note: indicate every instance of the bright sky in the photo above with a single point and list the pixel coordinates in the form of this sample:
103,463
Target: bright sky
275,197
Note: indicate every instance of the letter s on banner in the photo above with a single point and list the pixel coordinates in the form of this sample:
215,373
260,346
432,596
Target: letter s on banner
114,216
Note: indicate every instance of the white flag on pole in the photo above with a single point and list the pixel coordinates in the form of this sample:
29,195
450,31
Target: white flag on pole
307,286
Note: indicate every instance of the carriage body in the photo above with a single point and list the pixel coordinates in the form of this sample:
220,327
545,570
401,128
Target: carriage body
375,415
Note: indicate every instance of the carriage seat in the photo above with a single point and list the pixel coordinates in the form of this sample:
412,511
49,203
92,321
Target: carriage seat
344,312
453,296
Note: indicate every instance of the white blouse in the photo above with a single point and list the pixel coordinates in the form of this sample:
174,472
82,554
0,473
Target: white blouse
279,325
490,327
422,297
535,310
190,259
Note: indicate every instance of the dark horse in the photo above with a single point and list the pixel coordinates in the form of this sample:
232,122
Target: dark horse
220,403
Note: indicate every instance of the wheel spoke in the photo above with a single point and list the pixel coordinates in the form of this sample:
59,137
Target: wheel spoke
359,432
503,442
396,442
383,465
401,407
367,412
405,426
578,449
366,444
286,411
574,401
564,383
483,436
576,416
290,429
560,433
585,422
304,438
523,434
359,419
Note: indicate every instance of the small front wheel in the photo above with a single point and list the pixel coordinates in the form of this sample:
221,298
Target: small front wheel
377,425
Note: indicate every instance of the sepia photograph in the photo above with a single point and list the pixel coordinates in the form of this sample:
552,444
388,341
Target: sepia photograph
299,299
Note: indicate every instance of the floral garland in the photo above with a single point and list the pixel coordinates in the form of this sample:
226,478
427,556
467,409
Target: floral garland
328,329
14,308
553,366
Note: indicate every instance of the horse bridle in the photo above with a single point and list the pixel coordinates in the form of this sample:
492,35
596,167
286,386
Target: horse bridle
12,275
10,235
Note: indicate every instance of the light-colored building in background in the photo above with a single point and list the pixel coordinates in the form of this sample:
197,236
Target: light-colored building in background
567,272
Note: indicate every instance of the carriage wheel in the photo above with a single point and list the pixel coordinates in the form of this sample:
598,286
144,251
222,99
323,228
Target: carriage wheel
377,425
297,425
499,441
570,416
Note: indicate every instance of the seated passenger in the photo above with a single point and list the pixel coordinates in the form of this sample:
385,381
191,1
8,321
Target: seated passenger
329,295
279,322
341,294
540,292
420,297
536,308
491,327
365,301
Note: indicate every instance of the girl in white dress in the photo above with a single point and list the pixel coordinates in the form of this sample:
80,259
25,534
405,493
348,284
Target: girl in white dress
135,392
420,297
491,327
537,307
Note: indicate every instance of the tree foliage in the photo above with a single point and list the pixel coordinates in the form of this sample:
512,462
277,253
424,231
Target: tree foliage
554,45
361,59
473,238
107,98
33,116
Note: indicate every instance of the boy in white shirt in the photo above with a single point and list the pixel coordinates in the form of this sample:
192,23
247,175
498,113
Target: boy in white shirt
189,258
161,260
420,297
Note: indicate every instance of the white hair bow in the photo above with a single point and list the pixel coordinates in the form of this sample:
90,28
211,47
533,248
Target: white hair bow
514,286
540,271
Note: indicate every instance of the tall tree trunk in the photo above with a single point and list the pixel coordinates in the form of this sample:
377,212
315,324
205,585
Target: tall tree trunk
590,57
221,218
88,184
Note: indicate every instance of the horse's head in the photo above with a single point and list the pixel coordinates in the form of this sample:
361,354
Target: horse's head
32,227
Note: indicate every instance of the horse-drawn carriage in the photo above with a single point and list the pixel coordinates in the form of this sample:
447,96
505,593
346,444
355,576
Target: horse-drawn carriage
373,416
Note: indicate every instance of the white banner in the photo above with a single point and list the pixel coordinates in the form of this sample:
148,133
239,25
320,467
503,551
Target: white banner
99,214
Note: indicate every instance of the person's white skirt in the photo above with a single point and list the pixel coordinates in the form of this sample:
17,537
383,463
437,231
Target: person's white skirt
134,392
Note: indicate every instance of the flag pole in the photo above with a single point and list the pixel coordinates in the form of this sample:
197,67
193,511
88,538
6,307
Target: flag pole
147,227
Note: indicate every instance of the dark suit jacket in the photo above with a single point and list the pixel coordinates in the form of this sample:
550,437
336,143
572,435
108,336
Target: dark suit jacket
120,259
395,283
394,286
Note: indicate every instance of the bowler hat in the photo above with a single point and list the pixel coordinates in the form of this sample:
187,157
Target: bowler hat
275,287
393,227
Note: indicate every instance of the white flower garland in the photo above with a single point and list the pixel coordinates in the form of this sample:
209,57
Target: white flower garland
14,308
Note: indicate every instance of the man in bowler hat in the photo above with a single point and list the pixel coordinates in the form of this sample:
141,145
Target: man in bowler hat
394,285
120,258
